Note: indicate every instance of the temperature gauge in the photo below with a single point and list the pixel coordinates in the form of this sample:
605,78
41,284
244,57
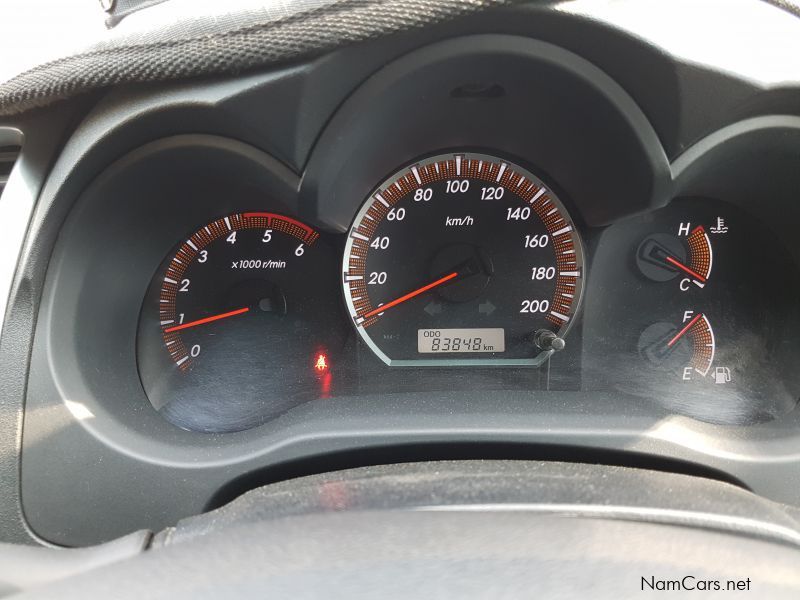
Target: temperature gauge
664,257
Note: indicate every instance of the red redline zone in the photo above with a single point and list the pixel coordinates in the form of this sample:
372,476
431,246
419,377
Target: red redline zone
271,216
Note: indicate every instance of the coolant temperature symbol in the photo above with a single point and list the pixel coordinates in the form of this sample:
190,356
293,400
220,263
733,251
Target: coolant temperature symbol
720,227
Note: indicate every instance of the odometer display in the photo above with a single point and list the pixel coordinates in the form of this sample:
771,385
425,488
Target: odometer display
465,242
460,340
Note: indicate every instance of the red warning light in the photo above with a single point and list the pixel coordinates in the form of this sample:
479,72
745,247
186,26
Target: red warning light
322,363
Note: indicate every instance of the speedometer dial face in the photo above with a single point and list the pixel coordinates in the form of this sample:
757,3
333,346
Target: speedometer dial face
463,259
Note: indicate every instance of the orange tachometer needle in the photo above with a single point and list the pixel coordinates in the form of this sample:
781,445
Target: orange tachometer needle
681,333
683,267
232,313
411,295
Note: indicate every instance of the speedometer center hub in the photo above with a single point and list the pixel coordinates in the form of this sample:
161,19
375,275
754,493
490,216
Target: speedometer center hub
473,265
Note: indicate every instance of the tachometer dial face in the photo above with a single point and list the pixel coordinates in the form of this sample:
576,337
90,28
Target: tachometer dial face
235,324
463,259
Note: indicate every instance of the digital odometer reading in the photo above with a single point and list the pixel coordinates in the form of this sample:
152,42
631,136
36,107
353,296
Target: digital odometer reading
462,241
460,340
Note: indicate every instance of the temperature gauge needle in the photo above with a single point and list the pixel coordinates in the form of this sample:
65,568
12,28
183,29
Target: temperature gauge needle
225,315
411,295
683,331
684,268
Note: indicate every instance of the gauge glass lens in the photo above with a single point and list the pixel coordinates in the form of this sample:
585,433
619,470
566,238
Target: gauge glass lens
463,258
240,323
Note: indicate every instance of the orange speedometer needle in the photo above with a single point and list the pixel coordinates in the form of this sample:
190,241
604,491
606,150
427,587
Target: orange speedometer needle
411,295
683,331
225,315
686,269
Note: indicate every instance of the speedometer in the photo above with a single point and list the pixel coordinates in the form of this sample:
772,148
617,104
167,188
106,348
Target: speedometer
463,259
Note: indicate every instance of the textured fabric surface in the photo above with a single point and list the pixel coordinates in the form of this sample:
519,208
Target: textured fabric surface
225,44
623,492
119,9
463,555
177,39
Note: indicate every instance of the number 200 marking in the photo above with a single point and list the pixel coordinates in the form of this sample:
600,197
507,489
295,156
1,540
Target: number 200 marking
534,306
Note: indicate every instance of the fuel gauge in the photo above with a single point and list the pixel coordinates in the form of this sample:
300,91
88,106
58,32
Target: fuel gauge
686,348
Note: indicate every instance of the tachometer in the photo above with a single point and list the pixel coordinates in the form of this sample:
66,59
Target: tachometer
239,323
463,259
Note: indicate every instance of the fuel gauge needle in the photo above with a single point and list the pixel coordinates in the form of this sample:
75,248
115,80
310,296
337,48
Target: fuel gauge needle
683,331
205,320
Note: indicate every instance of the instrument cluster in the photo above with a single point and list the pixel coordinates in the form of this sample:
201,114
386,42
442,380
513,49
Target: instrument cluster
467,270
489,242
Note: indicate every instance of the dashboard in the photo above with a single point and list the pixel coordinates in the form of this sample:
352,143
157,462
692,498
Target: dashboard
493,238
